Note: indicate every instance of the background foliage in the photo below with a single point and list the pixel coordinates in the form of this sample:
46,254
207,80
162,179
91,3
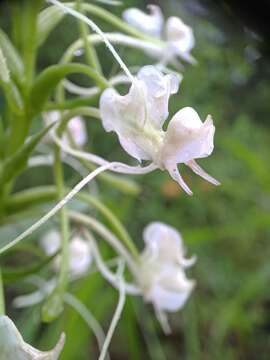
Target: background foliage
228,315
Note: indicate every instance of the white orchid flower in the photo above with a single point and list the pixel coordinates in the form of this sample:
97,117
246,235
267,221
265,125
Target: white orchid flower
14,347
138,119
80,252
162,277
174,32
76,126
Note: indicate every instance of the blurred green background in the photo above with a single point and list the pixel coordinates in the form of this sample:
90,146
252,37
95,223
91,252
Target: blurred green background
228,314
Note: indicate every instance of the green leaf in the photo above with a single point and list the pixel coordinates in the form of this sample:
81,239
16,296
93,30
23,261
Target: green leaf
50,78
11,275
13,58
11,92
48,19
17,162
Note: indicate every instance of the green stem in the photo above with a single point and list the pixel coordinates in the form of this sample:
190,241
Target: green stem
117,181
116,22
90,52
37,196
51,77
73,103
64,224
2,299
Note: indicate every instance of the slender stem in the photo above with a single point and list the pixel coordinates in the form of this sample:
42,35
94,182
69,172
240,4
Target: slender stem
107,235
57,207
2,299
73,103
117,313
96,29
117,22
64,224
44,194
88,317
90,52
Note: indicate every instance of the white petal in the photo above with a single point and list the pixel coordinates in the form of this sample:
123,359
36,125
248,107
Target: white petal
80,256
13,346
187,138
164,244
163,239
50,242
159,87
78,130
199,171
175,174
129,145
126,115
180,37
148,23
170,298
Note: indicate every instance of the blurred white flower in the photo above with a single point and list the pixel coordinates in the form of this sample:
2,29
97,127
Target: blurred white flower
76,126
13,347
162,276
138,118
80,252
176,34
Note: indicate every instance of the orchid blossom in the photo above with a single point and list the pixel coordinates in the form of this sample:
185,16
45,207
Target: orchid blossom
138,119
14,347
79,249
76,127
178,36
162,274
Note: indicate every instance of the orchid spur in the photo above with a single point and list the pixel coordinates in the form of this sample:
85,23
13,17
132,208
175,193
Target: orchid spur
138,119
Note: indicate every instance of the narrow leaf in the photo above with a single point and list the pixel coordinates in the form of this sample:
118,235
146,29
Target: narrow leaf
17,162
48,19
12,56
50,78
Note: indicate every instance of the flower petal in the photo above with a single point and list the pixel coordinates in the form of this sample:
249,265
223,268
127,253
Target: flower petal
175,174
164,243
78,130
187,138
162,239
148,23
158,88
171,290
180,38
126,115
81,257
199,171
13,346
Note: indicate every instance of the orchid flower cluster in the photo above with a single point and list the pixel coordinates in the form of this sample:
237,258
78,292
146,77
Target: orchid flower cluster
157,274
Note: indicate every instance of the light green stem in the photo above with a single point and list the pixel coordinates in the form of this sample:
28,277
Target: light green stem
64,224
90,52
43,194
